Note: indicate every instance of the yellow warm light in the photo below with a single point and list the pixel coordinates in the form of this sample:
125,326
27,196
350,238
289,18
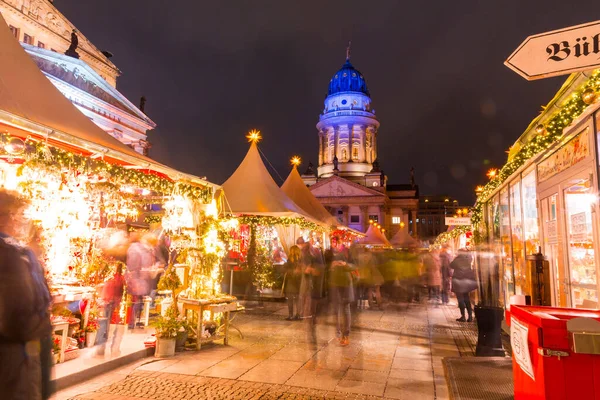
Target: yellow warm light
296,161
492,173
465,211
479,189
370,221
254,136
402,224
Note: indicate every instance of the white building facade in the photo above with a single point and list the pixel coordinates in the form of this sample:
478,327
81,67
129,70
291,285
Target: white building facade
86,76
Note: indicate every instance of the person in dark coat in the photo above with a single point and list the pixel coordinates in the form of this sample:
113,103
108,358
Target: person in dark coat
446,273
463,283
25,327
342,288
291,287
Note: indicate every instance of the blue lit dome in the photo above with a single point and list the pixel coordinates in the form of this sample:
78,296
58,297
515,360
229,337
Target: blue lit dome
348,79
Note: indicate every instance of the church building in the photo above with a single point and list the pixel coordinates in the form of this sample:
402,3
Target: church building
82,72
349,181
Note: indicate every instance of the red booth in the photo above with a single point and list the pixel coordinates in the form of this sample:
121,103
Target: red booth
556,352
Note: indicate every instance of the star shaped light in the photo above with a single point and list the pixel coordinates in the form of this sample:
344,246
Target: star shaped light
254,136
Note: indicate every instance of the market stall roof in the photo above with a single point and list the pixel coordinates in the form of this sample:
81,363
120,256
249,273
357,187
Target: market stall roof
29,100
374,237
296,190
251,190
403,240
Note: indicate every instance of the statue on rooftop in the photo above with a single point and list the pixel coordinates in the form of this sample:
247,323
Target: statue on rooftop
72,50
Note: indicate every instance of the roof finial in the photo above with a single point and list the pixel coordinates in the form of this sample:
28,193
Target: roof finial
348,50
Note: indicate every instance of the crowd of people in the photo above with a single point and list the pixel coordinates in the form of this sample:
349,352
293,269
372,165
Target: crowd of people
342,279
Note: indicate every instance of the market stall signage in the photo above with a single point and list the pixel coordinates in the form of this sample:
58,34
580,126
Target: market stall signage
559,52
462,221
520,346
579,226
568,155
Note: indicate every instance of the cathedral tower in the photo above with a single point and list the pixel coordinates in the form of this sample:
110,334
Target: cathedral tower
348,127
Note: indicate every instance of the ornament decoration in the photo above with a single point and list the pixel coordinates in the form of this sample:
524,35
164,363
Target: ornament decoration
540,129
295,161
572,108
14,146
254,136
588,96
492,173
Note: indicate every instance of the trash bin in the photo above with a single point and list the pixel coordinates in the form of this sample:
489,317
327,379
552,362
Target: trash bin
556,352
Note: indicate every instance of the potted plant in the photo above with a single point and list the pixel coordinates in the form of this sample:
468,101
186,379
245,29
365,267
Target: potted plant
166,333
56,349
182,333
91,330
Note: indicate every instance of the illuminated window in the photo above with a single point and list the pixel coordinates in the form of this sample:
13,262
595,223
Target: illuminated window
27,39
354,219
355,153
374,218
14,31
344,154
396,220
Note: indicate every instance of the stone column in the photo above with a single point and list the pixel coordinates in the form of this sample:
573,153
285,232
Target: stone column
321,155
364,217
374,144
383,211
362,152
336,147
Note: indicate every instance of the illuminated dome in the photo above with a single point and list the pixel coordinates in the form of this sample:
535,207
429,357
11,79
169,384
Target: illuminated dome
348,79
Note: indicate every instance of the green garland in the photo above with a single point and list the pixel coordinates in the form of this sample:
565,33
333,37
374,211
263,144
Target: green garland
571,109
453,234
271,221
40,153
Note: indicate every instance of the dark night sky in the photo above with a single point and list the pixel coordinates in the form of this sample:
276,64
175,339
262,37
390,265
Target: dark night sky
211,71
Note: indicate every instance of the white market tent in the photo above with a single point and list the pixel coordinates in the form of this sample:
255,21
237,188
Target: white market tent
31,104
296,190
403,240
374,237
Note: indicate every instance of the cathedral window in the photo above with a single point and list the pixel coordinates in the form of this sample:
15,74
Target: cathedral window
344,155
355,153
41,45
27,39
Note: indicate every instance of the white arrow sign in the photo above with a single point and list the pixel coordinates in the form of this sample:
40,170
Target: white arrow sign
558,52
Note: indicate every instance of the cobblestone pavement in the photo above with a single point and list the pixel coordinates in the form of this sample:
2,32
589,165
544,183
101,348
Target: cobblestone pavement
396,354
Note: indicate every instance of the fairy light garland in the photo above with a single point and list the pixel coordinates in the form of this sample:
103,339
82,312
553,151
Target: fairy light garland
285,221
572,108
53,157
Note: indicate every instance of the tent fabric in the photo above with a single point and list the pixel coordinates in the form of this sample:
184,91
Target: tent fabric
251,190
374,237
296,190
26,92
403,239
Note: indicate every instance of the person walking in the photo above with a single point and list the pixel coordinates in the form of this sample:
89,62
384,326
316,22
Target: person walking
374,287
25,327
140,258
434,275
342,289
292,282
446,273
112,294
463,283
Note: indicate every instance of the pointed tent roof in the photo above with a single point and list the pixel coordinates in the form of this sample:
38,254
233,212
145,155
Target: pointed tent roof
296,190
403,239
251,190
27,93
374,237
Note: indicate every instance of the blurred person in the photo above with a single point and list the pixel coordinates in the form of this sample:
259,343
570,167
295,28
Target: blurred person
25,327
374,288
445,260
292,282
463,283
364,259
342,289
112,294
431,262
409,274
140,258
